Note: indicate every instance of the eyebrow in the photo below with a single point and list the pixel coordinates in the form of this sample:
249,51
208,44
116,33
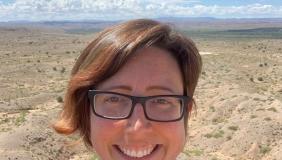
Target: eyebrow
124,87
160,88
128,88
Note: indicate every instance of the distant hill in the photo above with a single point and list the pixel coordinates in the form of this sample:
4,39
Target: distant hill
222,24
181,23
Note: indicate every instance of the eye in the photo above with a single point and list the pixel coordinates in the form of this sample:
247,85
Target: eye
160,101
112,99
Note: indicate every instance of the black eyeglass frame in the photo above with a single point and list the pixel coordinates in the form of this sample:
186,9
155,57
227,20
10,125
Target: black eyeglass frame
142,101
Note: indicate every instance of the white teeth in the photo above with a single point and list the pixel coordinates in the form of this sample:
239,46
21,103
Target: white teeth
137,153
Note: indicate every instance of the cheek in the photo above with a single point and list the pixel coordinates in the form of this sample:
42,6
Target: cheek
99,129
103,133
180,131
177,128
175,138
99,135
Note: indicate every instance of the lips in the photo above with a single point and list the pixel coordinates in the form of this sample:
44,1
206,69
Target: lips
137,153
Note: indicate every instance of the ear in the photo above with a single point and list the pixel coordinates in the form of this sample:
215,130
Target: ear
190,106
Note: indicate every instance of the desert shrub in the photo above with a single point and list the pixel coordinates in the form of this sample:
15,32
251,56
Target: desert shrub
19,120
260,109
63,70
208,135
264,149
261,65
218,120
217,134
260,78
212,108
193,152
253,116
59,99
267,119
94,157
233,128
273,109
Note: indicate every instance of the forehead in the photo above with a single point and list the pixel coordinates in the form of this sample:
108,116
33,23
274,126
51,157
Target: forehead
147,67
151,58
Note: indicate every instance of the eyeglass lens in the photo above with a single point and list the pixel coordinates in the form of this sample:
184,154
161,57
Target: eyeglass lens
117,106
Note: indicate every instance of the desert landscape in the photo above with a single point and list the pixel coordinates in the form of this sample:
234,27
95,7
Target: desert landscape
239,95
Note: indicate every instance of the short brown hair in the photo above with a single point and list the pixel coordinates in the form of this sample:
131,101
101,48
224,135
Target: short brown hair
108,52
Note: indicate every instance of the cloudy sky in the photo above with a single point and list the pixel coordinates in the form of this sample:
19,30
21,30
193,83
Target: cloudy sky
46,10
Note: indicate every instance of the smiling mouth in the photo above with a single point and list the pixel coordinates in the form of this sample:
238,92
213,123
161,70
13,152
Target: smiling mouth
137,153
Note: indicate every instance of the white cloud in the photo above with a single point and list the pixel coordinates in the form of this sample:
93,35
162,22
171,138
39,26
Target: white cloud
124,9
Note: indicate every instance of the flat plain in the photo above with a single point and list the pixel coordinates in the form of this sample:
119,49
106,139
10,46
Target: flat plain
239,94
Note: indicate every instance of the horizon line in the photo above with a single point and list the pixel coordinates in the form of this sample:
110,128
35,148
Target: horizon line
159,18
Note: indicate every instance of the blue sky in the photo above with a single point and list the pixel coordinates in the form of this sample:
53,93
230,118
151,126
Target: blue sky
241,2
46,10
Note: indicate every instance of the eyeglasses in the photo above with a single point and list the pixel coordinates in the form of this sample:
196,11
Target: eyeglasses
116,106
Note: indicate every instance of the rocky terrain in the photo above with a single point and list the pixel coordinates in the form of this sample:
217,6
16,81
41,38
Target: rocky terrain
239,97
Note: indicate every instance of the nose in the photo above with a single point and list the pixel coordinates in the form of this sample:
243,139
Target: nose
138,122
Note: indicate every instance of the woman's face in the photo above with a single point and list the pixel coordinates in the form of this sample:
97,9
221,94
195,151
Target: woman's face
151,71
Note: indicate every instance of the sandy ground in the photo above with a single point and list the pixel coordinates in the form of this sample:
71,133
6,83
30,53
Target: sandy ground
239,97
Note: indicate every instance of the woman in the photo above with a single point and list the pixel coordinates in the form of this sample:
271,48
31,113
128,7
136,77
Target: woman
130,92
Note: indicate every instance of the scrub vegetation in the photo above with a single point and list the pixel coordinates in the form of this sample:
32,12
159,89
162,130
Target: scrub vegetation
239,95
